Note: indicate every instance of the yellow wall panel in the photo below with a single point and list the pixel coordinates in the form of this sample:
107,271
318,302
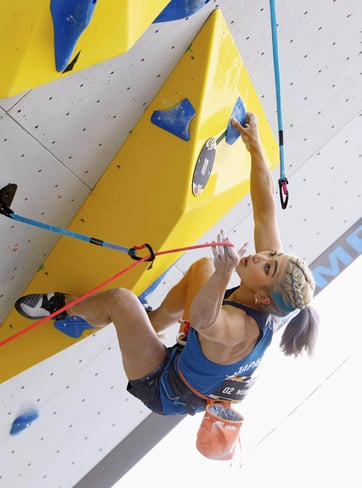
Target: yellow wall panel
145,195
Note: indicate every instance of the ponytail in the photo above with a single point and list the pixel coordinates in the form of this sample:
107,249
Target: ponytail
301,333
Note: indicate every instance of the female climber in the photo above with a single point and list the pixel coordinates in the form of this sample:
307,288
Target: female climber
229,329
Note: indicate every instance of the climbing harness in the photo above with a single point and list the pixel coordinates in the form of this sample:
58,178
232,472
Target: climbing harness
283,181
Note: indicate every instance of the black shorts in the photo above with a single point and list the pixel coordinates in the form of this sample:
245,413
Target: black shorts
147,389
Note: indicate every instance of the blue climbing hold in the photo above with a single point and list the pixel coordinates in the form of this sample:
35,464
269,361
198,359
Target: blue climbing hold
238,113
179,9
24,421
175,120
72,326
70,19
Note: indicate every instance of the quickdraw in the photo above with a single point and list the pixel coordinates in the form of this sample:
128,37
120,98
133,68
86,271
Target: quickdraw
283,189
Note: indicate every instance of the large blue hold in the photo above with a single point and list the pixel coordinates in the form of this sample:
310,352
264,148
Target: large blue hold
175,120
70,19
179,9
73,326
239,114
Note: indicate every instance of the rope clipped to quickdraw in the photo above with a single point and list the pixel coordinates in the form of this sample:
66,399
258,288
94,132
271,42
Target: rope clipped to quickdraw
283,181
133,253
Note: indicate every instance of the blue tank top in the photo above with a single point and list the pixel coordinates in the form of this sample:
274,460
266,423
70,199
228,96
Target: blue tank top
218,381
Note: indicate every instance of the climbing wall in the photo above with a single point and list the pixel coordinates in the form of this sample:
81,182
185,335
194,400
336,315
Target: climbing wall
52,39
56,142
199,185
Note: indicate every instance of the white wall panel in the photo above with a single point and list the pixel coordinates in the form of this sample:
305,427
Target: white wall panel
83,412
325,195
7,103
47,191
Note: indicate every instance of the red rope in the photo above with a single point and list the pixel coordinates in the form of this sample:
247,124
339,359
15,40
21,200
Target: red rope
107,282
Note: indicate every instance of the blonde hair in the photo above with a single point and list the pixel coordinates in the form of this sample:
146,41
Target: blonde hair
294,291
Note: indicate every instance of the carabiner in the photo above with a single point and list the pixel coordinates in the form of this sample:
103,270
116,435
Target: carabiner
133,252
283,191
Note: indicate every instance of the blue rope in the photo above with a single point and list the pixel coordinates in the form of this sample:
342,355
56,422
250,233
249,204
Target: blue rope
76,235
283,180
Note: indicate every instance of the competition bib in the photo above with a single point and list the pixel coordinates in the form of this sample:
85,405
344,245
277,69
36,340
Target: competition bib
234,389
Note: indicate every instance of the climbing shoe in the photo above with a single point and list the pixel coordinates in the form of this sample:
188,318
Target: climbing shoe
38,306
